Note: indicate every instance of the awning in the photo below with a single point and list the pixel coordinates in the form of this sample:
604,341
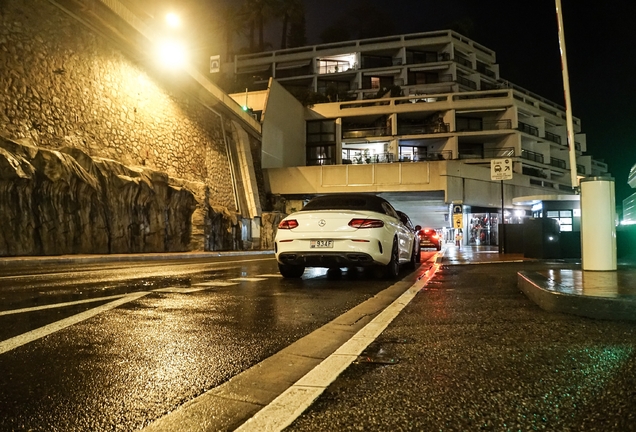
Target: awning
428,68
383,72
292,65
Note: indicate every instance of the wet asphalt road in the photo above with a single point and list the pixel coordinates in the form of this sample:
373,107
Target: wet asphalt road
193,325
471,352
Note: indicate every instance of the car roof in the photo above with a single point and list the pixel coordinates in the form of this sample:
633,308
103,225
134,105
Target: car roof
347,202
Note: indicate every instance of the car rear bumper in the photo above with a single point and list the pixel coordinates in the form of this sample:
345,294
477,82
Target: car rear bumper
327,259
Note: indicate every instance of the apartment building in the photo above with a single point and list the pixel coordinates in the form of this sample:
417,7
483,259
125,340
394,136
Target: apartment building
417,118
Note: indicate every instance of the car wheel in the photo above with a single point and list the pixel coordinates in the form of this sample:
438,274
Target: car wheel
393,267
291,271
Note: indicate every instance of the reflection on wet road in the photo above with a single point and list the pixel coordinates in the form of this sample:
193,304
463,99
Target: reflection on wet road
120,345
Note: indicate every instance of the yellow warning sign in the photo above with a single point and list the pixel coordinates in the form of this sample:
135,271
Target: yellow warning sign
458,221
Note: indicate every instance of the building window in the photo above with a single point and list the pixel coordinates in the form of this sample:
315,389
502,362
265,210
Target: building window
321,142
564,217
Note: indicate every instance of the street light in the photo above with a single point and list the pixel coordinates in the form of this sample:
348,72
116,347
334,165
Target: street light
170,51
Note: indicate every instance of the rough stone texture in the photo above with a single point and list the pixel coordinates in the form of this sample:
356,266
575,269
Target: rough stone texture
65,202
64,86
119,159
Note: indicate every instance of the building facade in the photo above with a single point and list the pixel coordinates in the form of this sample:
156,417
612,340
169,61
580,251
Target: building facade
415,117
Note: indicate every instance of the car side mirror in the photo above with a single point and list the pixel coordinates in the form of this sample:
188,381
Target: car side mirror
418,227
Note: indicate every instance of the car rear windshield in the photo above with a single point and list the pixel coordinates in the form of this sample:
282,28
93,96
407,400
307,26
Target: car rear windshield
344,202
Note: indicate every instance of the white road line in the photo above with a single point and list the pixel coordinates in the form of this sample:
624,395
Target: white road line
179,290
283,410
57,305
271,275
27,337
248,279
216,284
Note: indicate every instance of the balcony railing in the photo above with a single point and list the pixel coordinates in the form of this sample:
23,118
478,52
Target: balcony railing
559,163
553,137
531,130
468,83
435,156
499,152
365,132
470,126
463,61
533,156
423,129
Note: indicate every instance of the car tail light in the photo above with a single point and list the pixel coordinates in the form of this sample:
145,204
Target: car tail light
366,223
288,224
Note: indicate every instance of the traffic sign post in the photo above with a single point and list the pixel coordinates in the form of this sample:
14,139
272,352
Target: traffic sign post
501,169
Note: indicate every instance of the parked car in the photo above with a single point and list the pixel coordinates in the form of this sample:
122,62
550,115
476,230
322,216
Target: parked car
407,222
345,230
429,238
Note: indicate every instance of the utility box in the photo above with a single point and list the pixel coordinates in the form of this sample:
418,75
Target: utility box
541,239
598,224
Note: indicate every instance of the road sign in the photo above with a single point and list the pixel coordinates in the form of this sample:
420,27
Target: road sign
458,221
501,169
458,209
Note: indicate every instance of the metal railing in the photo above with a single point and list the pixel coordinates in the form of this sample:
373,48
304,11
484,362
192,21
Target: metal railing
469,126
503,152
435,156
463,60
423,129
468,83
553,137
365,132
531,130
533,156
559,163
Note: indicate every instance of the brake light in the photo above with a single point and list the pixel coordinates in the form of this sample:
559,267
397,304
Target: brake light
288,224
366,223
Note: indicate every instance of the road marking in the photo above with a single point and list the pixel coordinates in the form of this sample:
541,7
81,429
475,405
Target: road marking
248,279
216,284
38,333
179,290
271,275
283,410
57,305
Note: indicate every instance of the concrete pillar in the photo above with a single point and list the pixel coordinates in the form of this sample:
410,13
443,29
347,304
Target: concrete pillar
598,226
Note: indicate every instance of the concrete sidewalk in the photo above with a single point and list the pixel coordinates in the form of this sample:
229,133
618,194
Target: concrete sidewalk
563,286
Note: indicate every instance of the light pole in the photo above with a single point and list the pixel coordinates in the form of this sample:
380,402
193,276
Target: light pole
170,50
568,102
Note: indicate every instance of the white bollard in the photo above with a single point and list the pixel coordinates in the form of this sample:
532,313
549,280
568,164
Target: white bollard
598,226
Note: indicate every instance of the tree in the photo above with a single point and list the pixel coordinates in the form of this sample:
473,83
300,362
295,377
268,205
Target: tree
257,12
292,13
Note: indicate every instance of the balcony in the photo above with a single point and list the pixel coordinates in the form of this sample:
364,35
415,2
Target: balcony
423,129
530,130
495,153
363,132
474,125
580,169
553,137
532,156
466,82
559,163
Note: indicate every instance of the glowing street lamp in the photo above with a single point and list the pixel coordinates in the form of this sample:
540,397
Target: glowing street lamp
170,51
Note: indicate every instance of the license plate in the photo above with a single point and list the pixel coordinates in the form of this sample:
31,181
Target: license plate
320,244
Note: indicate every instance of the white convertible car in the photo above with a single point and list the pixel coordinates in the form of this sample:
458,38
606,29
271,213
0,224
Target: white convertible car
345,230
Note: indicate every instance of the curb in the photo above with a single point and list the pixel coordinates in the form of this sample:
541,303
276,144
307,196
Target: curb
84,259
